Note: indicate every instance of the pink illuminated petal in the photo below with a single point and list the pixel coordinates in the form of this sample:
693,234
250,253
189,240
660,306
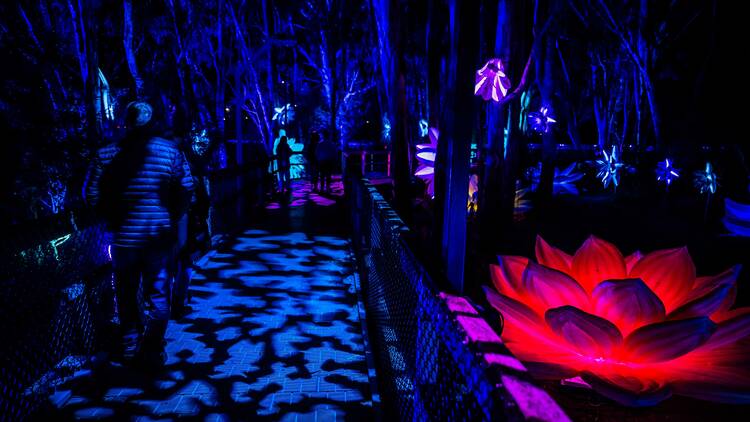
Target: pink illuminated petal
704,285
515,313
704,305
551,257
551,289
670,273
507,276
628,303
589,334
428,156
632,259
665,341
425,171
597,260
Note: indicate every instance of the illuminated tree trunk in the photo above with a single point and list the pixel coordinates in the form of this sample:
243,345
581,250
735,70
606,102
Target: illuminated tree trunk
219,69
498,186
458,119
398,111
129,48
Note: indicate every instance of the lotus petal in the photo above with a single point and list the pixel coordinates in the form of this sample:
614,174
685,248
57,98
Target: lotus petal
589,334
665,341
704,305
550,256
628,303
514,312
632,259
508,275
704,285
670,273
597,260
628,391
550,289
730,331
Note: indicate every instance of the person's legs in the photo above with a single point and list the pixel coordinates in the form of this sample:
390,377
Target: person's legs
180,298
181,268
156,296
314,174
127,274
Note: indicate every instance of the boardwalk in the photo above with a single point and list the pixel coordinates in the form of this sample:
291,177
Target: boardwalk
275,334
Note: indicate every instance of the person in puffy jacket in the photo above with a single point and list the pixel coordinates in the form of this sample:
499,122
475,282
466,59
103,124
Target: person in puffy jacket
141,185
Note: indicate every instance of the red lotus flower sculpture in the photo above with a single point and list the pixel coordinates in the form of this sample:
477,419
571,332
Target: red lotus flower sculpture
636,328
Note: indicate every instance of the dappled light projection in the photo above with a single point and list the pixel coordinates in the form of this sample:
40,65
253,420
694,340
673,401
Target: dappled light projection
274,334
637,329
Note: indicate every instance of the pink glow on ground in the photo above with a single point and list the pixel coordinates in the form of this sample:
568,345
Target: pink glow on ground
504,360
302,193
458,304
534,403
478,330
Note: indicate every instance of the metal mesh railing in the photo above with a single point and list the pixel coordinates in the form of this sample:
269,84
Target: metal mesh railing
57,303
55,294
426,371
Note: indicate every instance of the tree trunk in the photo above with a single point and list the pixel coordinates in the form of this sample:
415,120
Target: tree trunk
129,48
458,118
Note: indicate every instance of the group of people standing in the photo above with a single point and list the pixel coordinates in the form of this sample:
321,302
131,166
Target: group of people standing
144,188
320,154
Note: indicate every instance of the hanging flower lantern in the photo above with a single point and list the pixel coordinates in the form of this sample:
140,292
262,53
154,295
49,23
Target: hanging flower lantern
491,81
541,121
426,154
666,172
637,329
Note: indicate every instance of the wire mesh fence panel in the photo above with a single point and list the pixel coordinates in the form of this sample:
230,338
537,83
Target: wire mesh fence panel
52,307
425,370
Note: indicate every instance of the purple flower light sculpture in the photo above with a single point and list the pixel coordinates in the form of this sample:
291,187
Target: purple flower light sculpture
491,81
540,121
426,156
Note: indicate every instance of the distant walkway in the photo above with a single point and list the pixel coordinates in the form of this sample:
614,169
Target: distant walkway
275,334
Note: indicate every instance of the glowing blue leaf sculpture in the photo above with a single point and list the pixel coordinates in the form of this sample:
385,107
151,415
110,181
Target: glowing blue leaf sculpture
541,121
386,134
564,182
737,218
56,194
423,128
609,168
705,180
